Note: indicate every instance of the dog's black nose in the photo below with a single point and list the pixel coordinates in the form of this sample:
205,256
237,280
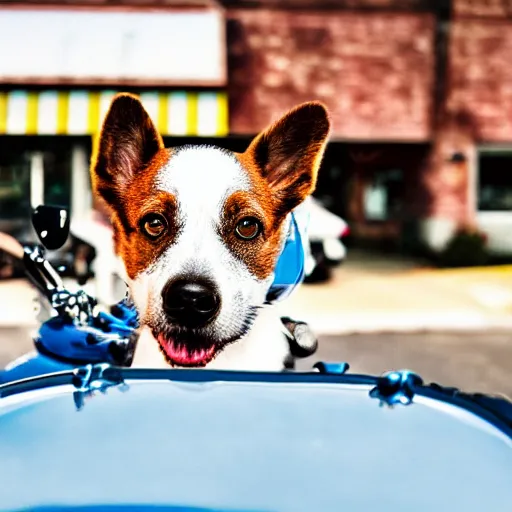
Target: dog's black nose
190,303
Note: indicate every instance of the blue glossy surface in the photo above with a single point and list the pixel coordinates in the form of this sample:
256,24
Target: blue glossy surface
250,446
31,365
290,266
63,345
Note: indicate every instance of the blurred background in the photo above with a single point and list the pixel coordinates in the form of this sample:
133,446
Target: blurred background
412,220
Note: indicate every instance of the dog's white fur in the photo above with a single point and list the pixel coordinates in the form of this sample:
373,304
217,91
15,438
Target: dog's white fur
264,348
202,178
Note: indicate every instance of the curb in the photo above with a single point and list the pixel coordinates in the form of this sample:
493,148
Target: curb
367,323
362,323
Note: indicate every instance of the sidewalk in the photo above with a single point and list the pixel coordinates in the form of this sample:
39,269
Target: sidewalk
17,303
17,306
370,295
360,299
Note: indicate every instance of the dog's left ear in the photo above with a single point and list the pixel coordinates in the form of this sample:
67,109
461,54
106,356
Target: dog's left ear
127,143
288,154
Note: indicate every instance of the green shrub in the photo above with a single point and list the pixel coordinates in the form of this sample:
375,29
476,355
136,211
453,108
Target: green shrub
467,248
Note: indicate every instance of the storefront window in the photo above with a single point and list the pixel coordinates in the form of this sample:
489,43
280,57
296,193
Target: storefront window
14,183
16,157
57,176
382,197
495,182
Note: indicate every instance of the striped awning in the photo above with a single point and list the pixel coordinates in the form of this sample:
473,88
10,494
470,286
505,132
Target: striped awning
77,112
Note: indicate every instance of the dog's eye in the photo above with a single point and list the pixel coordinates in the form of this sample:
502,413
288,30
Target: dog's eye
154,225
248,228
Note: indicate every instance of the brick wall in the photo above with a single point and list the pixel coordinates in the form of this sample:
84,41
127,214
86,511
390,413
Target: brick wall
373,70
332,4
112,3
481,75
446,181
482,8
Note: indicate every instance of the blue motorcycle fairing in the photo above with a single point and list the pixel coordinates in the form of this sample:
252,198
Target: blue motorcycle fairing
69,342
61,345
125,313
33,365
156,437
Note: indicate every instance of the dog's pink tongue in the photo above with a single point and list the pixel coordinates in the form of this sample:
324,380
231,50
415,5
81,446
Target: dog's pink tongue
181,355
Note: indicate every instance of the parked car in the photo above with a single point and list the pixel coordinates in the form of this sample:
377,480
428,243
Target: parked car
326,232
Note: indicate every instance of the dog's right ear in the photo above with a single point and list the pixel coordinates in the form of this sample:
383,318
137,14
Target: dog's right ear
127,142
288,153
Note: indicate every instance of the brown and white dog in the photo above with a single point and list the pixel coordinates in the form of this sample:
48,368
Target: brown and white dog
199,230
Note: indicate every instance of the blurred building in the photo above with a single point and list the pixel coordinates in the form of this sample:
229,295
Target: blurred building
60,65
420,93
62,62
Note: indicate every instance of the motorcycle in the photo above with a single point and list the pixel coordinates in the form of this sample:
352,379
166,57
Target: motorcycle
191,440
74,329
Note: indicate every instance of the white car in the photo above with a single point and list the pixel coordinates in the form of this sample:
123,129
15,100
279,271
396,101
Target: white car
326,232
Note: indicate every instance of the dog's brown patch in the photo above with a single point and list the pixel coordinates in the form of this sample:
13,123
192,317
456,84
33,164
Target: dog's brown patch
259,255
141,198
282,164
128,142
129,155
288,154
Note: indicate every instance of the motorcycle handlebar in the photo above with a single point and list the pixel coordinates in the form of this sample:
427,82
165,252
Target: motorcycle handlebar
42,275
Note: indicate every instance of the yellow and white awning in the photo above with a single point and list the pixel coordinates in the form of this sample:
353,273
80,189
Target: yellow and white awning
77,112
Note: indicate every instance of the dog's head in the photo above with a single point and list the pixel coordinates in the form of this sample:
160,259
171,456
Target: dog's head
199,228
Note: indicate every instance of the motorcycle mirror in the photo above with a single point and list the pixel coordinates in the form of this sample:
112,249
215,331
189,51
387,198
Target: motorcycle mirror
51,224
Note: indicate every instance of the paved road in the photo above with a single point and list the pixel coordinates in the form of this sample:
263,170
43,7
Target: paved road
473,361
